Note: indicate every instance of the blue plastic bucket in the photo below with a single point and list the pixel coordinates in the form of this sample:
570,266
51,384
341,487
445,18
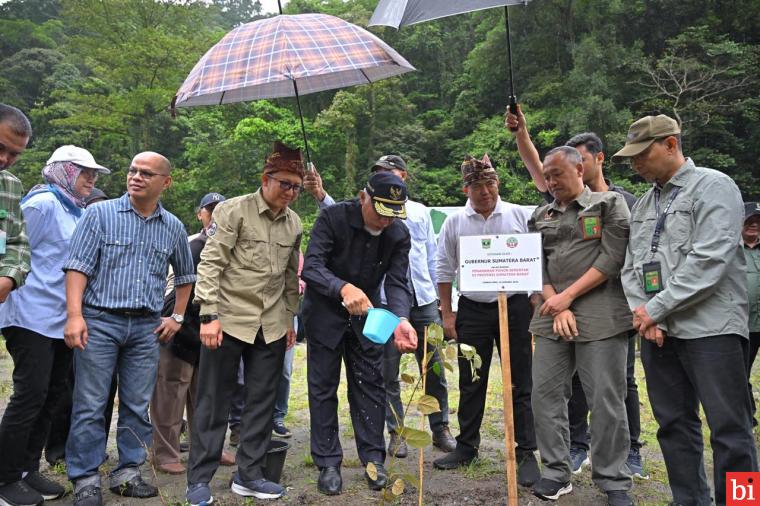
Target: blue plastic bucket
380,325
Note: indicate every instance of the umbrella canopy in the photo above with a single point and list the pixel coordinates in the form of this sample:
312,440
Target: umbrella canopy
398,13
286,56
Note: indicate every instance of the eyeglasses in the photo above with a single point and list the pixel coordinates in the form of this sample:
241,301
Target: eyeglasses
287,185
145,174
90,173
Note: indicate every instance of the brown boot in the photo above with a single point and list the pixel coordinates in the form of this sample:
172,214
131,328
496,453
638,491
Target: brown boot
443,440
228,459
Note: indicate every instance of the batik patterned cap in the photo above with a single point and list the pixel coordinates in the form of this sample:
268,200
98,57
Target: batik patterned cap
474,170
284,159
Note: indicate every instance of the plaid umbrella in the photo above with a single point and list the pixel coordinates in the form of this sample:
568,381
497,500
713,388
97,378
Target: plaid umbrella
288,55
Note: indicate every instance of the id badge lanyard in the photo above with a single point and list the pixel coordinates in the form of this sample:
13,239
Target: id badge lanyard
660,223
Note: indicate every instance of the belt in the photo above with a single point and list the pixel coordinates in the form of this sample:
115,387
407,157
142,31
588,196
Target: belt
142,311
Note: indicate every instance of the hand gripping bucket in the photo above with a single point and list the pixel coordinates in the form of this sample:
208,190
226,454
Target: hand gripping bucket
275,460
380,325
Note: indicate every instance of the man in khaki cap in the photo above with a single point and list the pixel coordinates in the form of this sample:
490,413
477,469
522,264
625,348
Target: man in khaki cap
684,278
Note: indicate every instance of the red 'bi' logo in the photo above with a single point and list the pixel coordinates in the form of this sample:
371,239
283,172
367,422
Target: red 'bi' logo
742,489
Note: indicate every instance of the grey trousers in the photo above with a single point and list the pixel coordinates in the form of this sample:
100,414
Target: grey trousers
601,366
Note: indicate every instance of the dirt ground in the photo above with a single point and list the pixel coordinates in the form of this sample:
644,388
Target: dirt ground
481,483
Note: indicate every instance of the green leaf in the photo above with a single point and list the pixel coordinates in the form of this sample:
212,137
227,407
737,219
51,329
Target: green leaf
408,378
437,368
416,438
451,352
427,404
434,332
372,471
448,367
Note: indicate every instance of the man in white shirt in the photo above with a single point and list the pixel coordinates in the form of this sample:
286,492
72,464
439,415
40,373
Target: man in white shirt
477,321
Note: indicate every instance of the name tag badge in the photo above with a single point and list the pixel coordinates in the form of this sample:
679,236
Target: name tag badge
3,237
652,277
591,226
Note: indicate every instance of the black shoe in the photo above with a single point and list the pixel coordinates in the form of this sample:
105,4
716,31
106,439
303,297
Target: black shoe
184,446
443,440
382,477
136,487
330,482
454,460
397,446
551,490
280,430
19,493
527,469
46,487
619,498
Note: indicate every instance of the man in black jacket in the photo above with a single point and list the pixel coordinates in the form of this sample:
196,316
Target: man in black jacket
353,246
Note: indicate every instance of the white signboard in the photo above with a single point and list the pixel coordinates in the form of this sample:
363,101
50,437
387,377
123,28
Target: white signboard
500,263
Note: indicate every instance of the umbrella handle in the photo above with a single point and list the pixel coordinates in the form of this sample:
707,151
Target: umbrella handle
513,109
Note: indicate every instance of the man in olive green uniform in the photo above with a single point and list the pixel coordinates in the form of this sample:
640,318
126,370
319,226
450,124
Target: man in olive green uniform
248,292
582,325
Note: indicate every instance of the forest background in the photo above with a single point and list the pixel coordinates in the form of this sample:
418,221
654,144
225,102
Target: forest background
101,74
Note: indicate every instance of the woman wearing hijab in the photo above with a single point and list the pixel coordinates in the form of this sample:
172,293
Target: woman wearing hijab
32,321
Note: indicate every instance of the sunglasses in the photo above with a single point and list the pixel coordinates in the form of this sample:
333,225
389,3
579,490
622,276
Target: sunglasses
287,185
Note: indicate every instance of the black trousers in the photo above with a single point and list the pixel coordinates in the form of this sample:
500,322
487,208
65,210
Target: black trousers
754,345
477,324
41,370
217,381
366,398
577,407
680,376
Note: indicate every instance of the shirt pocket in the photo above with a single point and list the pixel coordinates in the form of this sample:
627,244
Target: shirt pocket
679,223
284,251
116,251
253,254
549,230
589,226
159,259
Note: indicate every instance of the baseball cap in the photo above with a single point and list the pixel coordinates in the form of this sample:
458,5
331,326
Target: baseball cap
211,198
95,194
389,162
644,132
388,194
77,155
751,209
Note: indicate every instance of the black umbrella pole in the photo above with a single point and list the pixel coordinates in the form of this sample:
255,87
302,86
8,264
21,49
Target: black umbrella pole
512,98
303,127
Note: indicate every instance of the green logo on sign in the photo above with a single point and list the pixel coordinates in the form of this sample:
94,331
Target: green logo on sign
512,242
485,243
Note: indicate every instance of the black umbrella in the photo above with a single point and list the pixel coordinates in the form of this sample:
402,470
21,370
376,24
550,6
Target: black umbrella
397,13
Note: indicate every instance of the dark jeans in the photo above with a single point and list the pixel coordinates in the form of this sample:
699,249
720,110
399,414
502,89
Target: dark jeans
680,376
238,399
41,368
754,345
435,385
577,407
217,379
477,324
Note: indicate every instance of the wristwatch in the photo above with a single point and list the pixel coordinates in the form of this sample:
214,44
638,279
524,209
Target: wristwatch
177,318
208,318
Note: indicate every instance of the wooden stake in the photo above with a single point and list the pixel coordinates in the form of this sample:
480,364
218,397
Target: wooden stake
509,421
422,418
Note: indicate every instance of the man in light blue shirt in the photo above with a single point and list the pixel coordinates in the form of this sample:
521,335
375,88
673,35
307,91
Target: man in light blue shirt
115,278
422,281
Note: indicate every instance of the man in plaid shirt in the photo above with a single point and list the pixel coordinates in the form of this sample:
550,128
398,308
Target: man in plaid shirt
15,262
